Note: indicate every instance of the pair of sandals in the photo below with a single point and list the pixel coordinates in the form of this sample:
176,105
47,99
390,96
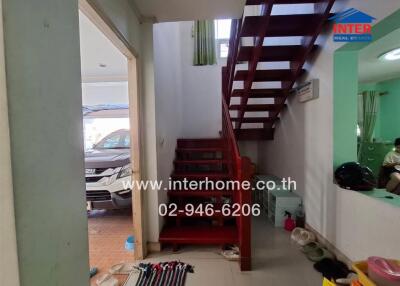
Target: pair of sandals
307,241
316,252
109,280
302,236
231,253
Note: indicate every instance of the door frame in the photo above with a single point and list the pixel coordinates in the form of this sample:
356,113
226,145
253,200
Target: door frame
106,26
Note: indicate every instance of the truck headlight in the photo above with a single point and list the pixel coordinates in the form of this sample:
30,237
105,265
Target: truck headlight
125,171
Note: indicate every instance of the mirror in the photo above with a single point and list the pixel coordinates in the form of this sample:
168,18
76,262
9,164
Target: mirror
379,110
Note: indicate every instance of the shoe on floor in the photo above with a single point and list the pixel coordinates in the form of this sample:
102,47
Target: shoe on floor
302,236
93,271
107,280
310,247
231,255
122,268
318,254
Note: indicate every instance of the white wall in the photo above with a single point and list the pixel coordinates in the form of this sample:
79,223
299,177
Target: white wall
201,91
94,93
148,124
303,149
8,245
198,87
168,88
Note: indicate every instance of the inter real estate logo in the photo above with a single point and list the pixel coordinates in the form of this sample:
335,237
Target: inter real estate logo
352,25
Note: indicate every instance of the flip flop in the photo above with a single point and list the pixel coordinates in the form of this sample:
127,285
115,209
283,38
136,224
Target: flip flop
231,255
122,268
302,236
318,254
310,247
296,234
107,280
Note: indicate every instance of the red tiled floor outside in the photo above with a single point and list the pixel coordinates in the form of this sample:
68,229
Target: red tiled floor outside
108,231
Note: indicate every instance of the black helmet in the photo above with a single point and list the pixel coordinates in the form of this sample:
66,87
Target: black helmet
353,176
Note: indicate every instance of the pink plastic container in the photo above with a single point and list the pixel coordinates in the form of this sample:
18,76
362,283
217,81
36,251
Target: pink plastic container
383,272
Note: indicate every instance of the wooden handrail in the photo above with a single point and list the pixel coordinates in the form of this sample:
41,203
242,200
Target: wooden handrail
240,169
234,44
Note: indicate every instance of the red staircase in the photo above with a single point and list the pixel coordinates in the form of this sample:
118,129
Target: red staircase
261,28
215,159
219,159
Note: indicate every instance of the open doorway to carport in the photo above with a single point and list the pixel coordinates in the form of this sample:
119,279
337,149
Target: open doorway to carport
111,133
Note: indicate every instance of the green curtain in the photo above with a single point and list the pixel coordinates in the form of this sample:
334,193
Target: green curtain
204,43
369,114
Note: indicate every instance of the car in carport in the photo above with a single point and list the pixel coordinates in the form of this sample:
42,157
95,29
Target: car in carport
108,172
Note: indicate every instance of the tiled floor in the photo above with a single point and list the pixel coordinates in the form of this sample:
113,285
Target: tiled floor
276,262
108,231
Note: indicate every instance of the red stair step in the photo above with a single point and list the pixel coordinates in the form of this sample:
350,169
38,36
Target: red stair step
199,176
200,193
256,119
272,53
199,150
255,134
201,162
256,107
199,235
200,143
281,25
267,75
260,93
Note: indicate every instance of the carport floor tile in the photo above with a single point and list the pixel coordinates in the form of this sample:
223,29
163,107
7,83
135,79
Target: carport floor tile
108,231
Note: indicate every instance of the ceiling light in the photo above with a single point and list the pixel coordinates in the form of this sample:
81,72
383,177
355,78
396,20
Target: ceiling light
102,65
392,55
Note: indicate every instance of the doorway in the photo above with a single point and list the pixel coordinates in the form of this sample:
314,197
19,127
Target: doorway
112,135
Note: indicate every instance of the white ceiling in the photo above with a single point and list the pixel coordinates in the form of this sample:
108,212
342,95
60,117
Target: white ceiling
186,10
373,69
96,49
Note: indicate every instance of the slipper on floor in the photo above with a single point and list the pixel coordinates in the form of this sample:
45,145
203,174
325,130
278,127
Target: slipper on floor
318,254
296,234
302,236
122,268
107,280
312,246
231,255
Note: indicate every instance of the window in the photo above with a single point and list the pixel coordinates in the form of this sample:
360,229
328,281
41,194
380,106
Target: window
119,139
222,34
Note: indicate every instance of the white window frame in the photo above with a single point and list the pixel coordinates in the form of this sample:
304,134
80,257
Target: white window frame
219,42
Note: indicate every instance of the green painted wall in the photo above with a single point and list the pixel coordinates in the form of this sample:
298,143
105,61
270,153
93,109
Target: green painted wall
345,107
45,114
389,115
387,126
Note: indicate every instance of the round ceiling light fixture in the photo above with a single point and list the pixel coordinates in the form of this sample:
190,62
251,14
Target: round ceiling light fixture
391,55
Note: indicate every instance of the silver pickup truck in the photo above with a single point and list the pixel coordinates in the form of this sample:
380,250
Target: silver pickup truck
108,172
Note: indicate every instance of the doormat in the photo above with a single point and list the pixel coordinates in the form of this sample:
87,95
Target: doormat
171,273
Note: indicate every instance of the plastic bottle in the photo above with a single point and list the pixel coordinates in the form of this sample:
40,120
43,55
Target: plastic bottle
290,224
300,216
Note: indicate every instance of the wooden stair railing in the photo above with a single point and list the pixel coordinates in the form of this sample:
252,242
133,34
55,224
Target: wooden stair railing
260,28
240,169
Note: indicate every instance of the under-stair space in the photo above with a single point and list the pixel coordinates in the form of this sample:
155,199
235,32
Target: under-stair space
266,58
